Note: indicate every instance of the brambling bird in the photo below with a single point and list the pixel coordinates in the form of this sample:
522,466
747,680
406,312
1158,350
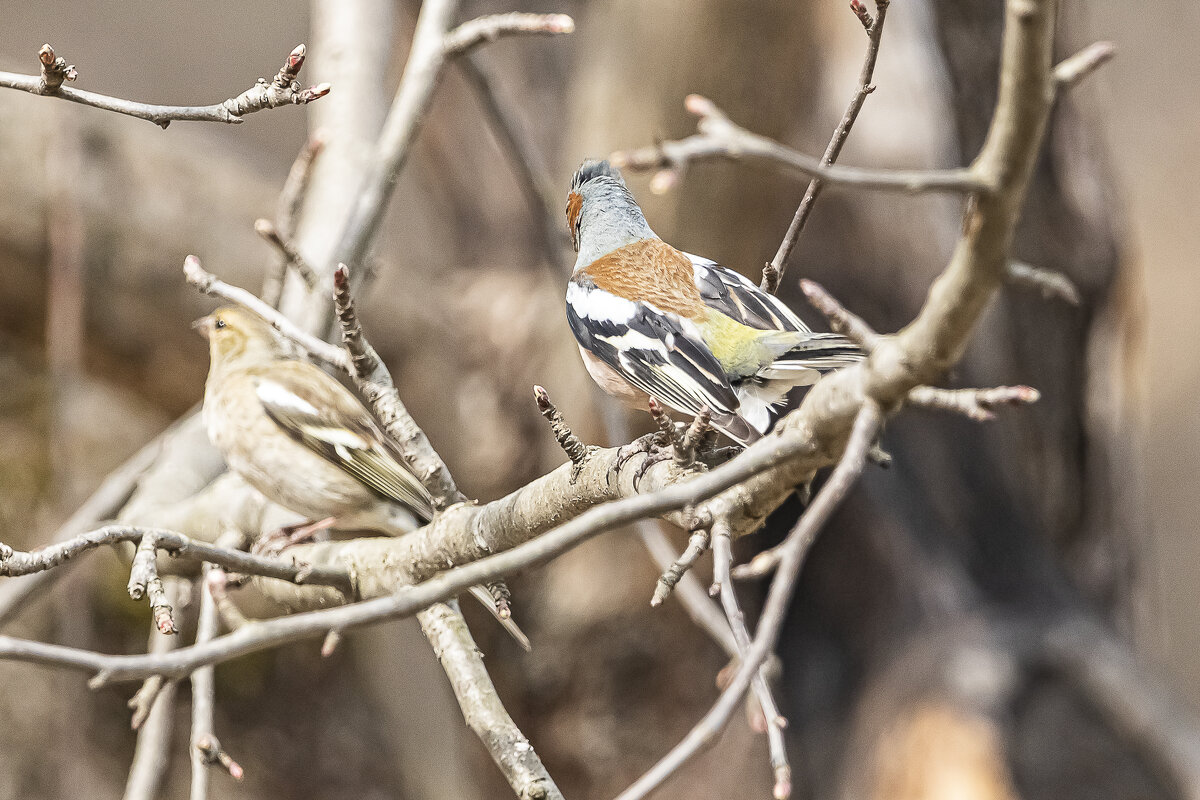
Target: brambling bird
655,322
303,440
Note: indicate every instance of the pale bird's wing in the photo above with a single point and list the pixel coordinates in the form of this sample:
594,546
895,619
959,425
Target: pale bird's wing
655,352
320,413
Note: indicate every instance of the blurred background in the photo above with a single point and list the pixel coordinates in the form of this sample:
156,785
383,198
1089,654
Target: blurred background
962,628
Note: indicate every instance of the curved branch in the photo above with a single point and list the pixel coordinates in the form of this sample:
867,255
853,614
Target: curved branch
720,137
279,91
15,562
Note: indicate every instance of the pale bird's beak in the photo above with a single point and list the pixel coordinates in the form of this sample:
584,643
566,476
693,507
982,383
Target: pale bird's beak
203,326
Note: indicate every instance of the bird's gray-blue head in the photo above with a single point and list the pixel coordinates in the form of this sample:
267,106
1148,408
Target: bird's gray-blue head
601,213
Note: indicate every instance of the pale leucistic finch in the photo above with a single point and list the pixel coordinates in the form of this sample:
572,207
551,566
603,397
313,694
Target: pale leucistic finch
653,321
303,440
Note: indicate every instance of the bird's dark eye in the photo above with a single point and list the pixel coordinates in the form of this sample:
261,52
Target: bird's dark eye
219,324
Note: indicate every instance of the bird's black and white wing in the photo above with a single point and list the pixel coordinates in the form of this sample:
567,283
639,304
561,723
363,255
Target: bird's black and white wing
652,350
338,428
736,296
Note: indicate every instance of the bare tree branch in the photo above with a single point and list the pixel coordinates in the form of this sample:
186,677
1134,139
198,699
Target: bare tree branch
842,321
447,632
426,59
205,750
1048,282
977,404
720,137
773,271
291,256
15,562
281,90
374,381
154,737
705,733
532,177
471,34
1074,69
385,563
722,559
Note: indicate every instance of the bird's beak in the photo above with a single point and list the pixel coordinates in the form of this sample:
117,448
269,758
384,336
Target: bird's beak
203,326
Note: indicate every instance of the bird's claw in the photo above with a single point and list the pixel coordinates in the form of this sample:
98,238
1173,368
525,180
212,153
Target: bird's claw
275,542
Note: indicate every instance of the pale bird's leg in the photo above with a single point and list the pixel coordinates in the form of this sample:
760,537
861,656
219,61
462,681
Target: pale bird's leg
275,542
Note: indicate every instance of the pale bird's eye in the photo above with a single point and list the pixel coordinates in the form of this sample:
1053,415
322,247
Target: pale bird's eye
219,324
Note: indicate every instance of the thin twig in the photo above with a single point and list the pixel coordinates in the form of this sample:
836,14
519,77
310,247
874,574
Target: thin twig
697,545
533,178
706,732
295,186
841,320
722,559
16,562
978,404
1048,282
696,602
287,212
571,444
720,137
291,256
144,581
210,284
773,271
206,749
150,755
1073,69
374,381
281,90
481,30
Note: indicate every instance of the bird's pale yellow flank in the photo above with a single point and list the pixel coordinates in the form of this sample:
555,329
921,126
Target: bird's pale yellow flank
302,439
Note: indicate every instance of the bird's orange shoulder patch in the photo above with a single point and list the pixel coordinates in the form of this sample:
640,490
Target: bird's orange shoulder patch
649,271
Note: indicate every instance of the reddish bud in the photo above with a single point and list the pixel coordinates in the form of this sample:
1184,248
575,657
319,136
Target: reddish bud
295,60
46,55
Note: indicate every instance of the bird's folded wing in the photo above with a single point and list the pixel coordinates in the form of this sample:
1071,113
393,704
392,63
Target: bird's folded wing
737,297
325,417
652,350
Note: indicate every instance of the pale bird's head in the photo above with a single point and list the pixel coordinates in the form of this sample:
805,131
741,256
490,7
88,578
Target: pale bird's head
599,203
235,334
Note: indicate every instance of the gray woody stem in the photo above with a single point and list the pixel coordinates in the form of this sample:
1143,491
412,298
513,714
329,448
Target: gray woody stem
705,733
773,272
720,137
150,755
446,630
279,91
